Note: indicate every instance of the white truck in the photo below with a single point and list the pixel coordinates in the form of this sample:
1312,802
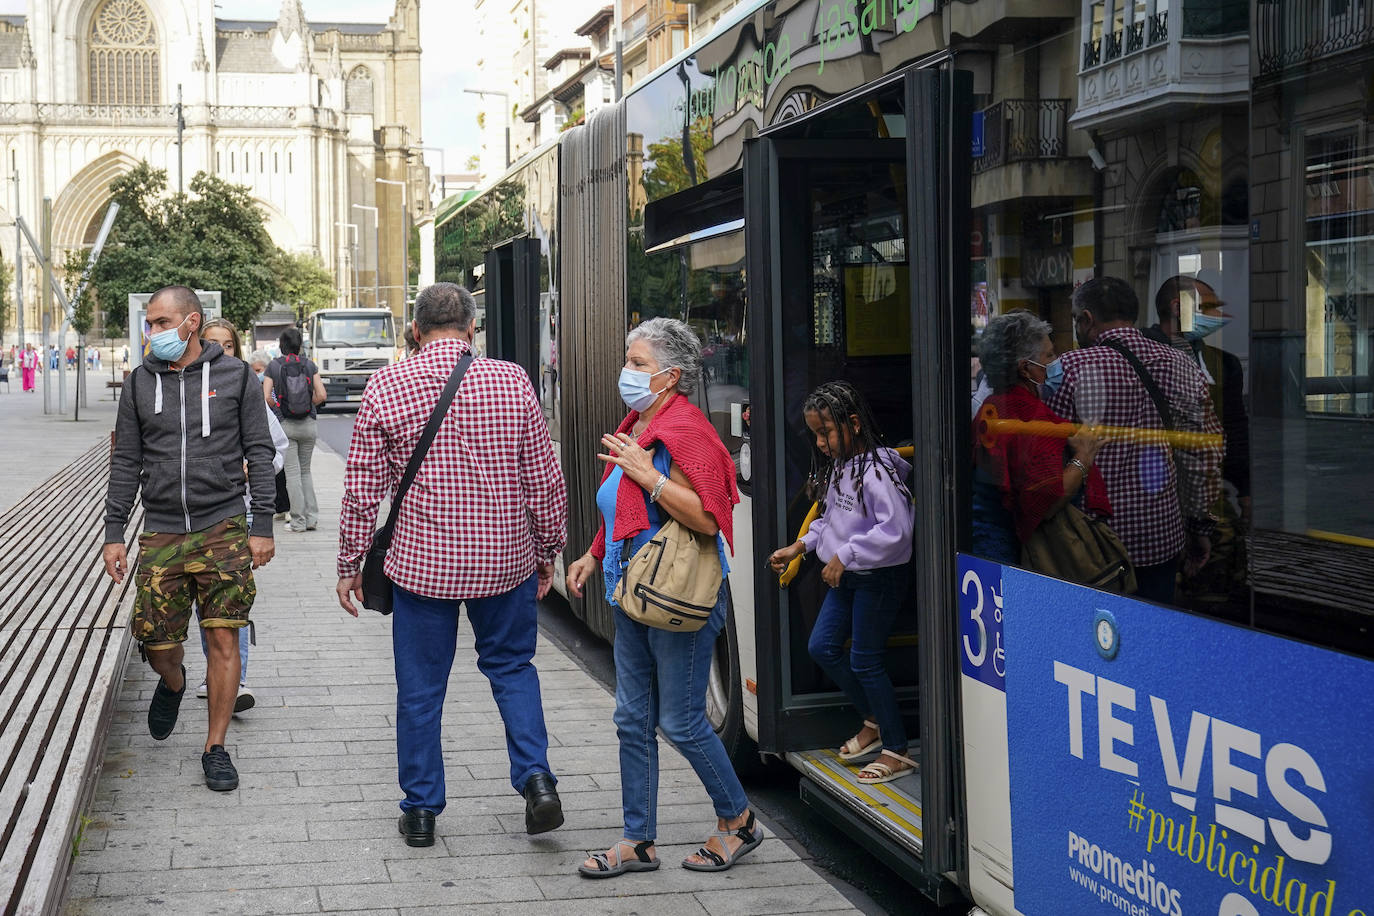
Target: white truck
348,345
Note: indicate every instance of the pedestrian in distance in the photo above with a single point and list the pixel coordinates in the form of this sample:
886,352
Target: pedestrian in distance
480,528
258,361
223,332
864,539
664,459
1161,496
28,366
189,418
294,384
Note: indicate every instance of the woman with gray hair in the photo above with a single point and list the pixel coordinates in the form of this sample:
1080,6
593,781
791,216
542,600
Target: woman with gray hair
665,460
1020,478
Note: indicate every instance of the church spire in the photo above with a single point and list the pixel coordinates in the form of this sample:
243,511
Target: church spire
26,55
201,63
291,21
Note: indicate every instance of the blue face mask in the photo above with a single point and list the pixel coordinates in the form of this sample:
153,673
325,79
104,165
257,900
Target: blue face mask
168,345
1054,377
635,390
1204,324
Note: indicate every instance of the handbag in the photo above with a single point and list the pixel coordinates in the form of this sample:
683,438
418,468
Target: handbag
673,581
377,585
1077,547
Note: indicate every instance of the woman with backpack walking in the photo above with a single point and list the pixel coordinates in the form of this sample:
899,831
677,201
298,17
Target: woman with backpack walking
299,389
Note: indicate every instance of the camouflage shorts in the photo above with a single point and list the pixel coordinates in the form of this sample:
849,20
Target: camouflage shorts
211,569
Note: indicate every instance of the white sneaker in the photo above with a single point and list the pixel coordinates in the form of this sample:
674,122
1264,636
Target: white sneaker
203,690
245,699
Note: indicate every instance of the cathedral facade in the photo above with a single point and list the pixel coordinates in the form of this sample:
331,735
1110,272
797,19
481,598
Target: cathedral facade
318,119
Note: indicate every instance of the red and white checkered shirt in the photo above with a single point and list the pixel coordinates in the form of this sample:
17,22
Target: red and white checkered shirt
489,500
1152,488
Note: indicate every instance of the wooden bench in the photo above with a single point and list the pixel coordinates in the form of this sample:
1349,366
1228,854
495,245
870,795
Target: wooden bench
64,643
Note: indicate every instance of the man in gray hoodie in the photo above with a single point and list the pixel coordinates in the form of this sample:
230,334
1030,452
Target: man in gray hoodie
189,419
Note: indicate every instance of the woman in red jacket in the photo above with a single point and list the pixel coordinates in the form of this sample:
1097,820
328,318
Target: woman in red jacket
665,458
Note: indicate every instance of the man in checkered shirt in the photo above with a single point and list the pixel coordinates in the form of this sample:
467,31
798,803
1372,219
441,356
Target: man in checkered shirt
480,526
1161,497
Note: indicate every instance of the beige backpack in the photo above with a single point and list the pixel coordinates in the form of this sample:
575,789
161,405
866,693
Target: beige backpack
673,581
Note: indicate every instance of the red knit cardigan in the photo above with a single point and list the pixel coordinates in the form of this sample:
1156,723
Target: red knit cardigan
697,449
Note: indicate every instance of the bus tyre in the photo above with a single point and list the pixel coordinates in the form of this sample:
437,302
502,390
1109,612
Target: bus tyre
725,699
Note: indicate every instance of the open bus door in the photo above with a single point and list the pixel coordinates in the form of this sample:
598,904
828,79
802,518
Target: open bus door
512,304
849,231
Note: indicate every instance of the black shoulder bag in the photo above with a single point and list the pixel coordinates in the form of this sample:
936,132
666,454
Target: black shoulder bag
376,585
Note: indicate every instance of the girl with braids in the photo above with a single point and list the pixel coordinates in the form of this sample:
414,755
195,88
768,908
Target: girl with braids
864,539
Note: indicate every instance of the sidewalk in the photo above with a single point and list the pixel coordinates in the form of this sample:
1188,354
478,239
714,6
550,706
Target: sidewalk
36,445
312,827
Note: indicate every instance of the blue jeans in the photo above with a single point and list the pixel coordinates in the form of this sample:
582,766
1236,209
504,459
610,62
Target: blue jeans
863,608
243,651
660,682
424,636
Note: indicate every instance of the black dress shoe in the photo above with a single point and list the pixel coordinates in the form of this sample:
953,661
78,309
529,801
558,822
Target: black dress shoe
417,826
543,810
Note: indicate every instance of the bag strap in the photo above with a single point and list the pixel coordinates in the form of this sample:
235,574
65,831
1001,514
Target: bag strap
1161,402
417,457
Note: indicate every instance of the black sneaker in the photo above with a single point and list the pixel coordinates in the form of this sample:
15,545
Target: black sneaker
162,711
220,774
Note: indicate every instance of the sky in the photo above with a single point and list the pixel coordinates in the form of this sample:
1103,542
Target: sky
449,115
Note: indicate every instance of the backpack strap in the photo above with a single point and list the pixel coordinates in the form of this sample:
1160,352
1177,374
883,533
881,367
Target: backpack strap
1161,402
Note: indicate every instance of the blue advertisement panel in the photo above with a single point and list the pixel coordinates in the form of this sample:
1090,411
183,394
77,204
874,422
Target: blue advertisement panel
1164,764
984,658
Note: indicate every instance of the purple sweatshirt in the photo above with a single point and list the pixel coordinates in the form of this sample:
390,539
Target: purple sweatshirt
871,536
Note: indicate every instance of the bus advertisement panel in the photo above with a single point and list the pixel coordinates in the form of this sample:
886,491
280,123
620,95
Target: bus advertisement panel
1161,766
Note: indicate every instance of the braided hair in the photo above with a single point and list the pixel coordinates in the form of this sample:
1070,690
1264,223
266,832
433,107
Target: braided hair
839,401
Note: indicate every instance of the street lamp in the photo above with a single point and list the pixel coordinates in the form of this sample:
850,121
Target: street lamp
506,114
405,248
376,255
353,259
443,188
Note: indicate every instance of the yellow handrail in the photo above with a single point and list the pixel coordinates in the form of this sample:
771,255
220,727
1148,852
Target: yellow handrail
790,573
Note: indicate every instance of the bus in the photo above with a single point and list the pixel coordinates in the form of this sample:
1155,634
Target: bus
826,189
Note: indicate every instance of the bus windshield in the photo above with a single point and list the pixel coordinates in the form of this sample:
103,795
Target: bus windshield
370,331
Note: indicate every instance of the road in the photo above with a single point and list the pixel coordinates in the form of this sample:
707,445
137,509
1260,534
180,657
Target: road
870,886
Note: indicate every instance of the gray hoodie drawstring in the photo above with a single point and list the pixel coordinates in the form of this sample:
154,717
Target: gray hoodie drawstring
157,398
205,400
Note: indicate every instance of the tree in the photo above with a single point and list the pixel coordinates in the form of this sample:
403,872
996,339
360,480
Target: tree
83,308
304,284
6,283
212,238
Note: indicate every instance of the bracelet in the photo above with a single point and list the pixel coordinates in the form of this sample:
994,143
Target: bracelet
658,488
1081,467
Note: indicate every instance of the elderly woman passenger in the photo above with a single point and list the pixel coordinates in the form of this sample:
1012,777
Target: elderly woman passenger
1022,479
665,458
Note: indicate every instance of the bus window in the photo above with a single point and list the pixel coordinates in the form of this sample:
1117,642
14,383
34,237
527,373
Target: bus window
1232,259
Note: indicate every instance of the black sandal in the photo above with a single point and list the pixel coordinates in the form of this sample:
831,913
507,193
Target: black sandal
604,868
750,836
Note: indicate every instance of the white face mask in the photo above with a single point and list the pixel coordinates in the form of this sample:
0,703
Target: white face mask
635,390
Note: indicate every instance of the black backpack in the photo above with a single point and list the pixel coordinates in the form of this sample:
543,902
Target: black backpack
297,398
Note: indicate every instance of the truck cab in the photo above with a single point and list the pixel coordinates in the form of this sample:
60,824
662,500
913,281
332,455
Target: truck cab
348,345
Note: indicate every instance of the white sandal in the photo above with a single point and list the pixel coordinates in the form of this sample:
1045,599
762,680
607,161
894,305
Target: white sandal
877,771
851,750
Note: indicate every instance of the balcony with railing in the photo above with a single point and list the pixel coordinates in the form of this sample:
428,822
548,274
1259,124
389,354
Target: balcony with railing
1025,153
1164,62
1296,33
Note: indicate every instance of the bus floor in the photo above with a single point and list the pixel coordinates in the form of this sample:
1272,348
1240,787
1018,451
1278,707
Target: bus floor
893,808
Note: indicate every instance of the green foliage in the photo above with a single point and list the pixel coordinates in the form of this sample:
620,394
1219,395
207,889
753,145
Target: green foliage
413,257
304,284
462,242
575,117
6,285
69,272
213,238
665,169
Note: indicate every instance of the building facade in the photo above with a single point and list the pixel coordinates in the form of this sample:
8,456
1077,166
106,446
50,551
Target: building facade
313,117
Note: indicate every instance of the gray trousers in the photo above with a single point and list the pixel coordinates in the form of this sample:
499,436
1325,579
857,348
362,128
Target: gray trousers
300,485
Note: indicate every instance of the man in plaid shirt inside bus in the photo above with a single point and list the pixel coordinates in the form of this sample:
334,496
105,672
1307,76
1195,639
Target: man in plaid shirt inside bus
1161,497
479,527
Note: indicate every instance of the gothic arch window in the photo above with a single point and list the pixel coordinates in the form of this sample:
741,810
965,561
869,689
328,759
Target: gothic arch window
124,61
358,93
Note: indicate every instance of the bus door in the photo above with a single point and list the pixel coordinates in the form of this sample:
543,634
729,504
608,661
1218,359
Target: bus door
842,223
512,304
